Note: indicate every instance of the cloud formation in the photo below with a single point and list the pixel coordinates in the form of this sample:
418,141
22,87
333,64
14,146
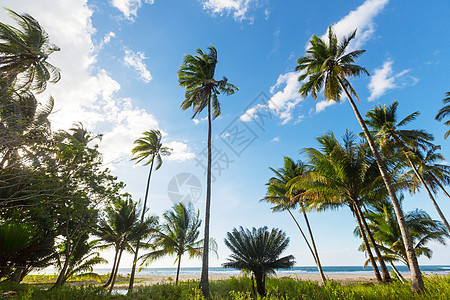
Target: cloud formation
238,8
129,8
136,61
384,79
285,100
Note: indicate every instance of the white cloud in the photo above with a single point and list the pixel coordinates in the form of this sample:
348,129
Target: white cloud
283,102
275,139
384,79
321,105
85,92
106,39
198,121
239,8
180,151
129,8
136,61
362,20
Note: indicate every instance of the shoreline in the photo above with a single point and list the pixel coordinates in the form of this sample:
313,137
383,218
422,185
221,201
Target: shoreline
145,280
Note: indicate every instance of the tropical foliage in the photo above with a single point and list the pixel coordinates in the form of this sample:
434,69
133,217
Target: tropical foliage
258,251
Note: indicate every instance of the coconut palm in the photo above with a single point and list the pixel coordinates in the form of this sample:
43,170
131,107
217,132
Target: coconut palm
24,53
149,149
177,236
444,111
258,251
327,64
82,260
280,194
343,175
383,121
196,74
385,229
120,227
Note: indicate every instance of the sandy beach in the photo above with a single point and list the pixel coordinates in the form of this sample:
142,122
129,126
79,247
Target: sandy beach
143,280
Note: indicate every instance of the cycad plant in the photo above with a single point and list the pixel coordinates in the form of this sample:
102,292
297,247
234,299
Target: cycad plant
149,148
258,251
327,65
196,74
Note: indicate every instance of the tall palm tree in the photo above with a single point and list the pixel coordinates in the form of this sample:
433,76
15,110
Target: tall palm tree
343,174
258,251
280,194
383,121
387,233
177,236
327,64
196,74
24,53
149,148
444,111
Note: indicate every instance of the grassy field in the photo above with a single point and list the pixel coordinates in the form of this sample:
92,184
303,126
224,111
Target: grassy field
237,288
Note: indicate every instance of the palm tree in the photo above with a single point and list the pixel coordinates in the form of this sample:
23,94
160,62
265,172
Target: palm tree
382,120
443,112
196,74
24,53
177,236
387,233
258,251
280,194
82,260
343,175
147,148
327,64
119,228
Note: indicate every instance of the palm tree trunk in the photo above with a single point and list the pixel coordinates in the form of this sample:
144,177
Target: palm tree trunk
366,243
416,276
319,265
178,269
204,283
441,214
400,276
307,244
113,269
441,186
260,286
133,269
9,82
115,273
386,277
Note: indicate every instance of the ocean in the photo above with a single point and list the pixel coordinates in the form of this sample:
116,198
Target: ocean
427,269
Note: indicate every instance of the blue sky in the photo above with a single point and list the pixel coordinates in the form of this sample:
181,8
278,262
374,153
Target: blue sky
119,60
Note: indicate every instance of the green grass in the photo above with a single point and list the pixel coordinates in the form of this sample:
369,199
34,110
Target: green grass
239,288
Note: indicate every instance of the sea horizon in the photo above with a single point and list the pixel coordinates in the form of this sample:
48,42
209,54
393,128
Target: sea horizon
426,269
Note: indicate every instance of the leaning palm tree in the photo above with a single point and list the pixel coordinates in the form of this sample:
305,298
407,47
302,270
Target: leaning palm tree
177,236
258,251
385,229
196,74
24,53
444,111
282,196
327,64
148,148
343,175
383,121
